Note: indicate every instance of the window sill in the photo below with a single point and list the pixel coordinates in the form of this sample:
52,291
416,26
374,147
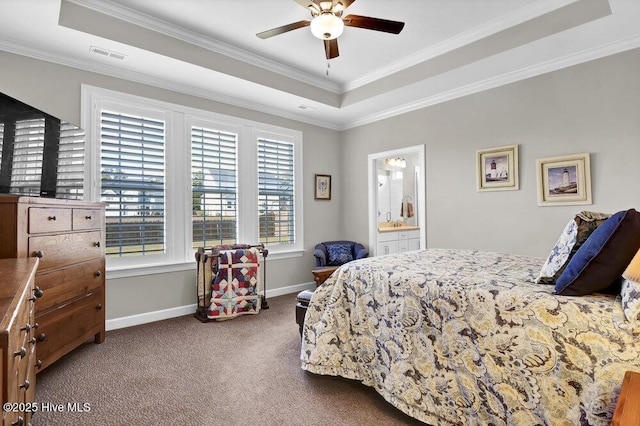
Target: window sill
163,268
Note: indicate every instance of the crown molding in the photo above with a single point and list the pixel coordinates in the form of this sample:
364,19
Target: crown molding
13,46
112,71
501,23
577,58
163,27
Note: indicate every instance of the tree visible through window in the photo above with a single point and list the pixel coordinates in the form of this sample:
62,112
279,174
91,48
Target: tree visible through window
132,176
276,192
213,187
175,178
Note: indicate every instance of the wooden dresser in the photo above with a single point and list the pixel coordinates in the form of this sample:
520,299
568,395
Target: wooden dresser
18,296
68,238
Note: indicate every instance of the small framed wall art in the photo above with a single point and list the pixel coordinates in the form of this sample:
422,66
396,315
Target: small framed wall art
497,168
323,187
564,180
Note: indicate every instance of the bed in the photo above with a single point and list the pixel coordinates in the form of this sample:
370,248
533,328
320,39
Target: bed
468,337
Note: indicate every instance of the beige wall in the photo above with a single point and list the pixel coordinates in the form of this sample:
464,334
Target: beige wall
594,107
56,90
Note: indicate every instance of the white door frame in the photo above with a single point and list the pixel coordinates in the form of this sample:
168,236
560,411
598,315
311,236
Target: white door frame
373,194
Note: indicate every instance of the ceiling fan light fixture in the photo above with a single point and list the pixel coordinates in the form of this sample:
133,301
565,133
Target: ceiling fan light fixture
327,26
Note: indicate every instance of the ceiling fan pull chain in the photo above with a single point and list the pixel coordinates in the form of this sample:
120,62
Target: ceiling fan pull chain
328,66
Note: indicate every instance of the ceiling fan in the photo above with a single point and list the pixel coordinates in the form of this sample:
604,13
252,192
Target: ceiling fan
327,23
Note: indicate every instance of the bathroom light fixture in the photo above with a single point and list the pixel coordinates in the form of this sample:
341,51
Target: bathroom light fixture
396,162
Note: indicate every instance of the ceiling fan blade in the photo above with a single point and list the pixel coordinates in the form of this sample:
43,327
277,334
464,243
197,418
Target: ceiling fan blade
375,24
331,48
283,29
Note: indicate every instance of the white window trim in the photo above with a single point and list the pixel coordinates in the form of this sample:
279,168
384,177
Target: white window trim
178,119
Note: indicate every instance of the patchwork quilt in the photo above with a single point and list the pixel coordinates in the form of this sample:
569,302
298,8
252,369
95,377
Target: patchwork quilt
234,290
456,337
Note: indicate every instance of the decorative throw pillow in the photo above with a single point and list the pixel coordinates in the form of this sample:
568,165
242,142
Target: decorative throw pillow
574,235
630,294
339,254
601,260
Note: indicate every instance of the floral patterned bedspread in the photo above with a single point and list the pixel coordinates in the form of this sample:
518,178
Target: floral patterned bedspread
467,337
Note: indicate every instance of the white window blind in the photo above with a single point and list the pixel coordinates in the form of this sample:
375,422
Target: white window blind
70,176
145,155
28,150
28,157
214,187
276,192
132,171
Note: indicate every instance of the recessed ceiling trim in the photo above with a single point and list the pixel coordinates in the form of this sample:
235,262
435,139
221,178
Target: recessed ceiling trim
478,33
160,83
163,27
503,79
13,46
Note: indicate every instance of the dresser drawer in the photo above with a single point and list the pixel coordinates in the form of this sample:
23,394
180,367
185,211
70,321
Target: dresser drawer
49,219
84,219
60,329
68,283
66,249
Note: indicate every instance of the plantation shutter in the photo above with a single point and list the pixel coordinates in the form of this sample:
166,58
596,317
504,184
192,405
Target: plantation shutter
214,187
276,192
132,170
28,152
70,180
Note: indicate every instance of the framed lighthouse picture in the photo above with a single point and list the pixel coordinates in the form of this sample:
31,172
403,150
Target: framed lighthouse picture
564,180
497,168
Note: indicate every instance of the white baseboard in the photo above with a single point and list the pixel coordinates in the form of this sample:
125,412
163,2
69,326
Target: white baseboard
147,317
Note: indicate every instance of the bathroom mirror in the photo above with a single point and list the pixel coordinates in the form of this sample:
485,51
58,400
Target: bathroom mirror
396,194
397,190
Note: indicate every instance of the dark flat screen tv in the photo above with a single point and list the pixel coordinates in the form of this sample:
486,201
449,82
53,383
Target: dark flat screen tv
40,155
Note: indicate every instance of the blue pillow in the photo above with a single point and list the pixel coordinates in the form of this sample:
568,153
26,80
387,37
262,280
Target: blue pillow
339,254
601,260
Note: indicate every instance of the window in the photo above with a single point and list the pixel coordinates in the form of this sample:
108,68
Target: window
213,187
177,178
132,183
275,192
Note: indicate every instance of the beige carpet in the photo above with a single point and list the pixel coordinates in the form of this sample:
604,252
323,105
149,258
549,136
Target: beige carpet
245,371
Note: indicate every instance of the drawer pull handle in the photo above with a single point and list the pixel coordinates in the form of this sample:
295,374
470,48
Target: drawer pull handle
22,352
41,337
99,306
98,273
88,217
35,326
26,328
97,244
38,292
39,363
19,422
52,218
25,385
32,341
40,254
